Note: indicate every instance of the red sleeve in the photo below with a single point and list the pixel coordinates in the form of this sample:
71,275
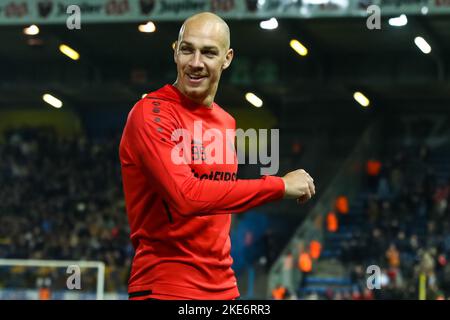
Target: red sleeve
184,192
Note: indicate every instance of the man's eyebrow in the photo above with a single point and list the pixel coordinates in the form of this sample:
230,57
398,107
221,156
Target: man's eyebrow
210,48
186,42
203,48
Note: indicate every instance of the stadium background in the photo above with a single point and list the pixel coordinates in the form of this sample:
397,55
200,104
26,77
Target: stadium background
382,172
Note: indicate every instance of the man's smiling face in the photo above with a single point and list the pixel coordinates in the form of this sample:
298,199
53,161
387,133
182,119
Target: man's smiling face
201,53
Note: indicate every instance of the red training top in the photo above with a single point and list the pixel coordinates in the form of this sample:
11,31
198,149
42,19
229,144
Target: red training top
179,213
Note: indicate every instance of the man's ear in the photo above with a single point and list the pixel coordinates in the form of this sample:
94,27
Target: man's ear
228,59
174,47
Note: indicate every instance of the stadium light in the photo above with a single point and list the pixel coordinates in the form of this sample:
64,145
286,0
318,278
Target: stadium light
253,99
424,10
400,21
31,30
147,28
298,47
68,51
270,24
361,99
423,45
51,100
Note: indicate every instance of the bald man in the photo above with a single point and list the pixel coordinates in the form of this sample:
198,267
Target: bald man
201,53
179,207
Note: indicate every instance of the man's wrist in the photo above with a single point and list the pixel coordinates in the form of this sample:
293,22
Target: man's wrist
285,186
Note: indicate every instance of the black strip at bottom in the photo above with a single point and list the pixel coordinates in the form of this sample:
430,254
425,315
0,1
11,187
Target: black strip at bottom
139,294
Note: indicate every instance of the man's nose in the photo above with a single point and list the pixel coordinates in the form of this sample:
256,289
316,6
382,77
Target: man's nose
196,60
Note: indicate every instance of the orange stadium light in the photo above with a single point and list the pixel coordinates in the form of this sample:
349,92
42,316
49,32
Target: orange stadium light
342,204
373,167
279,293
305,262
315,248
332,222
44,294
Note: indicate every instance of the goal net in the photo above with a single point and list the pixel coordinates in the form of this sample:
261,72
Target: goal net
51,280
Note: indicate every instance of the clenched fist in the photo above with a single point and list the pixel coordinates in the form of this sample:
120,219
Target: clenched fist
299,185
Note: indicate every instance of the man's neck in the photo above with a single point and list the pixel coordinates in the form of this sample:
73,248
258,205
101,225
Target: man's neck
207,101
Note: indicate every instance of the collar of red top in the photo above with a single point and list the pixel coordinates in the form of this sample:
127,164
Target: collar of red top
170,92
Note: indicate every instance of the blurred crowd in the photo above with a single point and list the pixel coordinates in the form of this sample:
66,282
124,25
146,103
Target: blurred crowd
394,241
406,228
61,198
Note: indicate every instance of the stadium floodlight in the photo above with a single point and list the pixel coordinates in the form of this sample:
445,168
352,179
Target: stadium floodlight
423,45
68,51
31,30
424,10
147,28
400,21
254,99
298,47
51,100
361,99
270,24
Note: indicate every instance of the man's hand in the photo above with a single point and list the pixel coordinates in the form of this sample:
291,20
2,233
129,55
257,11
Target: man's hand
299,185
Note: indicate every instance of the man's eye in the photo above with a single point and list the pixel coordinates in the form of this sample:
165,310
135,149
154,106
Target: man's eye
210,54
186,50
